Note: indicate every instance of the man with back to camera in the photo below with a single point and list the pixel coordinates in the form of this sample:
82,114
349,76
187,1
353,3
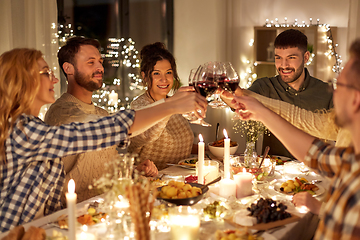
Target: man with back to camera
293,84
82,64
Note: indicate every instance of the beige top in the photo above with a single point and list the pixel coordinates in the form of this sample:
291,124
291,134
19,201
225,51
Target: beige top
85,167
318,124
169,141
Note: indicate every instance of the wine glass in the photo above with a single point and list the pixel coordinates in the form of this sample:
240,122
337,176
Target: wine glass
231,79
191,115
219,76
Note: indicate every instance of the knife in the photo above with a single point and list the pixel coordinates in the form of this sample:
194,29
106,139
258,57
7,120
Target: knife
183,166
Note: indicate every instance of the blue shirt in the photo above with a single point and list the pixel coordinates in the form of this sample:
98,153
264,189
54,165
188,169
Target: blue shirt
33,174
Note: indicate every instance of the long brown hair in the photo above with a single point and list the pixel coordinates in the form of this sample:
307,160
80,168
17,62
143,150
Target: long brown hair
19,83
150,55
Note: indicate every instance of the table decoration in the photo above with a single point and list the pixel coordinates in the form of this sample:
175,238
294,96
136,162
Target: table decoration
227,188
210,170
243,181
184,223
226,155
71,206
141,206
200,163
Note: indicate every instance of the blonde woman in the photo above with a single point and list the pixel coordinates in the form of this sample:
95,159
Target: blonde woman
31,173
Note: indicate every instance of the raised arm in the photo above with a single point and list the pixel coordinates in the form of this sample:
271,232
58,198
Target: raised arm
181,102
295,140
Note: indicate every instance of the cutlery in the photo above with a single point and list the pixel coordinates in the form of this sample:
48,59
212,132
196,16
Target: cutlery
217,131
182,166
266,151
212,182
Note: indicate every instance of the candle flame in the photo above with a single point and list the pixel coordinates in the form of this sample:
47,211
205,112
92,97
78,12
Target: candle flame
201,138
244,170
71,186
225,133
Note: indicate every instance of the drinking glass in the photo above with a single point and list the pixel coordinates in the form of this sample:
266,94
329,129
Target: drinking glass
202,86
231,79
191,115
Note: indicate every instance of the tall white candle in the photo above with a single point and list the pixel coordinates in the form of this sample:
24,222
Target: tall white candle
243,182
200,165
226,156
71,206
227,188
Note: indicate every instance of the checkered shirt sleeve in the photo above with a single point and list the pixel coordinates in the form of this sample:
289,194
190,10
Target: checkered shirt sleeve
341,214
33,173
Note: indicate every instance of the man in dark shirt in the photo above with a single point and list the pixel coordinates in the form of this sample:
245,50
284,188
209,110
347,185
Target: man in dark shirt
294,83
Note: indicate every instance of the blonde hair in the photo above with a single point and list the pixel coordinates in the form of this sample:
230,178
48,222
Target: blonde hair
19,83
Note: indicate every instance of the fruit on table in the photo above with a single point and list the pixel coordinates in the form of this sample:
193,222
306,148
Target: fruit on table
267,210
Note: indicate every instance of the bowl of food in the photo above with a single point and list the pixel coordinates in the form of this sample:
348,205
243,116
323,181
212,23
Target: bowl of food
217,148
180,193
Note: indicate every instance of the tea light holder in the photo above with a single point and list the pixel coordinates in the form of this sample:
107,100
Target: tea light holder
210,170
184,223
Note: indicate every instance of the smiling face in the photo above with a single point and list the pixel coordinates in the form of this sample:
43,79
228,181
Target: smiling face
46,92
290,64
89,70
162,80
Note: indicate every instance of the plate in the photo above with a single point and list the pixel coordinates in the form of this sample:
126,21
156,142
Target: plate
277,186
183,162
282,158
186,201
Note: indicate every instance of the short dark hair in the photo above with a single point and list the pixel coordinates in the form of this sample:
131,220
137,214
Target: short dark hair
150,55
291,38
355,66
71,48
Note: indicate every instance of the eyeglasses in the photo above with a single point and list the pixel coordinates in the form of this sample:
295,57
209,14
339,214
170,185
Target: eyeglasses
49,73
334,84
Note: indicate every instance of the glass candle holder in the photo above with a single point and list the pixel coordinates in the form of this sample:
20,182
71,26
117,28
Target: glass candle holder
211,170
184,223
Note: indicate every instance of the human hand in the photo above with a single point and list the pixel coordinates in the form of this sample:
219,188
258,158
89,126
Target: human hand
148,168
186,89
188,101
307,200
248,108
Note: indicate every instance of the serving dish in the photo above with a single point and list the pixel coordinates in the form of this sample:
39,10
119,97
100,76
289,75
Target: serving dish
278,183
186,201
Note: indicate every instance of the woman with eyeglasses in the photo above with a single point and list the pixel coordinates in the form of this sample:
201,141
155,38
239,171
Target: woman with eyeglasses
31,173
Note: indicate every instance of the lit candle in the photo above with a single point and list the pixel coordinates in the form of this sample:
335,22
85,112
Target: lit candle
200,165
113,98
185,223
226,156
84,235
243,181
227,188
71,206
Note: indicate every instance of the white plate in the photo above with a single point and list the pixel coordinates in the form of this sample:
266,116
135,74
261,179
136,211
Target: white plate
182,161
277,186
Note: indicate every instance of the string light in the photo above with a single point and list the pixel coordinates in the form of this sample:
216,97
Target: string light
331,52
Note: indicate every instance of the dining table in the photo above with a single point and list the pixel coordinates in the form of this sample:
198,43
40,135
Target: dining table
303,228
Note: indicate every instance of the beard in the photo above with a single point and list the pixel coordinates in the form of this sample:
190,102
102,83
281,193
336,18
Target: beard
86,81
298,73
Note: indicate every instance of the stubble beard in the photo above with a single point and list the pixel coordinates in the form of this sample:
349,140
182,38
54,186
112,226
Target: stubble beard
86,81
298,73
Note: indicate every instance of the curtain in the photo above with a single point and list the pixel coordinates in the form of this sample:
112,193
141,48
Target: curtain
31,24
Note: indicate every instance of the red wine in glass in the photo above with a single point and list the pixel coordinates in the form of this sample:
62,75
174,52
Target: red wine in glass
205,88
230,85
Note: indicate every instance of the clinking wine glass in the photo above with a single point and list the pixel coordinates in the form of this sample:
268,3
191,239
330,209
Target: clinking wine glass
218,72
205,83
194,74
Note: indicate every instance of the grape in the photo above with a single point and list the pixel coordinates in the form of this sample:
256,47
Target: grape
267,210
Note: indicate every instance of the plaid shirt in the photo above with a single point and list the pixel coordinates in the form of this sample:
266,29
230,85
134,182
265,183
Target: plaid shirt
33,174
340,218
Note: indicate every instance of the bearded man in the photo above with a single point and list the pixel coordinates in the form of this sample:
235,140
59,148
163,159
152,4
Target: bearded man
293,84
82,64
